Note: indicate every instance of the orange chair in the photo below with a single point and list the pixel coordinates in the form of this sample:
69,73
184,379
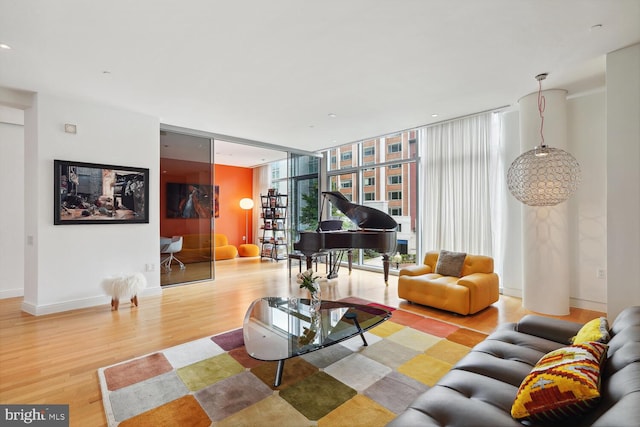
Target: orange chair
222,249
475,288
248,250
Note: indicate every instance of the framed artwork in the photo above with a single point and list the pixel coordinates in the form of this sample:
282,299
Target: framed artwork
192,200
91,193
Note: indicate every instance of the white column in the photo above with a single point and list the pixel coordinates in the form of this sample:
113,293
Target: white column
545,240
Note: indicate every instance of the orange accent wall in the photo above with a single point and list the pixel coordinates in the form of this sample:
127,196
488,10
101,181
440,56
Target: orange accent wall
234,184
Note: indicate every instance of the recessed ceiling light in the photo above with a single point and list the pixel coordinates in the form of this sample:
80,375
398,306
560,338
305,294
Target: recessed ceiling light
5,46
333,115
106,72
596,27
434,115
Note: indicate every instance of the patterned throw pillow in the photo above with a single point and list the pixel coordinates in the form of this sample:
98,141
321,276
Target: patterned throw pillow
593,330
564,383
450,263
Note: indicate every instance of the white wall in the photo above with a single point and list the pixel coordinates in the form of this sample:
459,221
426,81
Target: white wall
623,179
586,131
65,264
12,212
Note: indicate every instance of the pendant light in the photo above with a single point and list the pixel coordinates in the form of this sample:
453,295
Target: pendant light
544,176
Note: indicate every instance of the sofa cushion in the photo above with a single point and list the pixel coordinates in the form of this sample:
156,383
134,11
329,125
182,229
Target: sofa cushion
628,317
557,330
477,264
465,400
450,263
565,383
593,330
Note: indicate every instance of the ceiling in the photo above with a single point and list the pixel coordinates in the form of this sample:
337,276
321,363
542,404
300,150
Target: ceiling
309,75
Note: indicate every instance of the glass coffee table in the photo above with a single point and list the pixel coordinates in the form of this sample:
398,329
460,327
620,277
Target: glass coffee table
279,328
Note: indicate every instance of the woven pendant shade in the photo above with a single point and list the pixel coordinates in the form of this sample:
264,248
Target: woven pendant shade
544,176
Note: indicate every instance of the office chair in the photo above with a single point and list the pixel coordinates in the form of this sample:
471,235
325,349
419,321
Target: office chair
175,245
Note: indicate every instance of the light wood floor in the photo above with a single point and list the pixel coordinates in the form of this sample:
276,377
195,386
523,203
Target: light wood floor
53,359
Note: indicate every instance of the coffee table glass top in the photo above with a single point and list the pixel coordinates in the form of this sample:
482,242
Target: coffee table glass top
277,328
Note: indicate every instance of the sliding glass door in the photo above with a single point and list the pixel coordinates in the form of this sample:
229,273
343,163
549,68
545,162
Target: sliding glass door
187,208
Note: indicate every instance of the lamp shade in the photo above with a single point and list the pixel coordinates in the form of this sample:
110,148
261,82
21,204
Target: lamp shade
544,176
246,203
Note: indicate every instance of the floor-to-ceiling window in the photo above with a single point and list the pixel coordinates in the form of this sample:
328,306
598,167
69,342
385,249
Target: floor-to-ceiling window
304,189
188,203
379,173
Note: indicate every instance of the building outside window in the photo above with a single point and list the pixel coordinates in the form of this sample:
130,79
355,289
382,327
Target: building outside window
395,211
394,148
377,177
395,179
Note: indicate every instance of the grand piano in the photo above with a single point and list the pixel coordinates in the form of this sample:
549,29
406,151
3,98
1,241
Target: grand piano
376,230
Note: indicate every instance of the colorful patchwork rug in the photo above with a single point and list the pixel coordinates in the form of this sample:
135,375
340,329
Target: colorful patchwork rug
213,381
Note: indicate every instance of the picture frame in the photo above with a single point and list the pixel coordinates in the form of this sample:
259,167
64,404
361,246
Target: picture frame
188,200
93,193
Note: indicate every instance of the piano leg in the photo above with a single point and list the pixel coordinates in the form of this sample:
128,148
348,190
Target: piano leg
350,259
385,267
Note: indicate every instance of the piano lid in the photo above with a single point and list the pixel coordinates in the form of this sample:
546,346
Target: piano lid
363,216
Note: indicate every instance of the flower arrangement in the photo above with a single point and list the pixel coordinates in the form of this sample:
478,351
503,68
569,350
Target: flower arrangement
306,280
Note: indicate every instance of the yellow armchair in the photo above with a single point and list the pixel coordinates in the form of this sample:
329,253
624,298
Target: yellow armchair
475,289
222,249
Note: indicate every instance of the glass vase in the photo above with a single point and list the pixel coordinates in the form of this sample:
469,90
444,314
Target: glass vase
315,298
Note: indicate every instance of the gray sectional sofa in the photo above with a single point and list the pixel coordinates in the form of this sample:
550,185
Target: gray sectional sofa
480,389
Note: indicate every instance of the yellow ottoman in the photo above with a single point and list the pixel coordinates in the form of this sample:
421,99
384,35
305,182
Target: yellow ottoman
248,249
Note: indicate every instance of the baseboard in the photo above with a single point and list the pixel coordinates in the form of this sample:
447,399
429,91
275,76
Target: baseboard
588,305
40,310
573,302
511,292
11,293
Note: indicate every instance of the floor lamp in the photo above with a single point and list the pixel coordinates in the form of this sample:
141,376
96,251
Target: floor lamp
246,204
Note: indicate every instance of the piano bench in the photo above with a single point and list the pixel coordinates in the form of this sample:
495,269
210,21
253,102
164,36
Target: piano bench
302,259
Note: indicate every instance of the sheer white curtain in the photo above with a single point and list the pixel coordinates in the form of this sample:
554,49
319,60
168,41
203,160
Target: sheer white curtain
261,183
459,185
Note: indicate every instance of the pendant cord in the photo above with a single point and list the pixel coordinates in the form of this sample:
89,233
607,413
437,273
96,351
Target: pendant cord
541,106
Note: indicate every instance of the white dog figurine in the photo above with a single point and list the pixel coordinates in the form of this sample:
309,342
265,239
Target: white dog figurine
124,286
